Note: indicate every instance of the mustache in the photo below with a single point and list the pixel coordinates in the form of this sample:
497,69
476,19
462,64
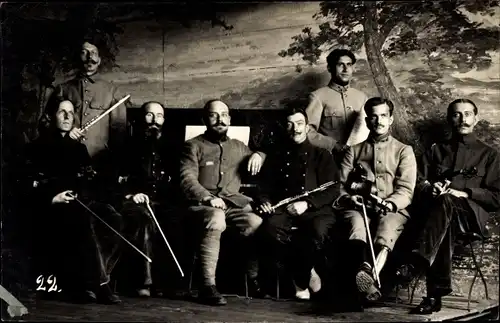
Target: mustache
220,124
464,125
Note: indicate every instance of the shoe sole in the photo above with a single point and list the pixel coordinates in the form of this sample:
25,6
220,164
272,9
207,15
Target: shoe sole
366,285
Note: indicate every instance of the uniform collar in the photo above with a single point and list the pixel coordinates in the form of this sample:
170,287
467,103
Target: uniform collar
214,139
302,147
337,87
83,76
465,139
383,138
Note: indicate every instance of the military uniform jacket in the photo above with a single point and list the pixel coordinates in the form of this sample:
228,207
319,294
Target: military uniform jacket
91,97
149,168
213,168
393,165
465,152
299,168
336,115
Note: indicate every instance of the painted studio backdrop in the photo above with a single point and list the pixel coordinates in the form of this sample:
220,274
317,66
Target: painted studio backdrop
420,54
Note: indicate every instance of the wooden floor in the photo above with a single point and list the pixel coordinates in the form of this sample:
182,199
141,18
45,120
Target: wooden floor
242,310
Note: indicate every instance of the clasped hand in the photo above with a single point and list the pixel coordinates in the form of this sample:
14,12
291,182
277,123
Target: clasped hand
296,208
64,197
439,188
76,133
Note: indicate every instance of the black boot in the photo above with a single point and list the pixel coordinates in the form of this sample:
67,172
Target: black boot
106,296
210,295
255,290
428,306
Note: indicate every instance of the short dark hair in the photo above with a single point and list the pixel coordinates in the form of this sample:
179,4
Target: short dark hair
333,58
373,102
290,111
452,105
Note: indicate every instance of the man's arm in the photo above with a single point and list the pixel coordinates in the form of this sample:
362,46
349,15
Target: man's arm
314,112
190,186
488,195
424,168
327,172
405,181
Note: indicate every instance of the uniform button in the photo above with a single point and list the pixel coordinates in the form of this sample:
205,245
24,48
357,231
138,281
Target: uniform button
379,176
349,108
86,102
222,173
86,91
84,81
379,161
288,164
286,175
302,188
378,148
288,153
304,174
86,114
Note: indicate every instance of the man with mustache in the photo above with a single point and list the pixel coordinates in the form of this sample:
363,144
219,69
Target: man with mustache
293,169
92,94
210,177
391,171
148,171
335,111
86,250
457,204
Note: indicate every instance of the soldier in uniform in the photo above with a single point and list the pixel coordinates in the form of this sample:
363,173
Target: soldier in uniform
393,169
92,95
457,203
293,170
85,250
335,111
210,178
148,171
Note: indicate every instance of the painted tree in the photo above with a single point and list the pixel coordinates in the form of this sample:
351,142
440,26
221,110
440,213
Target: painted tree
388,29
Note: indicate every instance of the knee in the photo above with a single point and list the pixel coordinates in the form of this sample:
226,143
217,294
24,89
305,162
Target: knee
215,220
253,223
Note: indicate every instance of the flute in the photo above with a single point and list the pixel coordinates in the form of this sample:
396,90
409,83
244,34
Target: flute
96,119
298,197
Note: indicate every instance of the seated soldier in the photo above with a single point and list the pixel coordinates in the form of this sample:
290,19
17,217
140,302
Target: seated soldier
210,181
298,167
148,176
87,250
459,181
393,168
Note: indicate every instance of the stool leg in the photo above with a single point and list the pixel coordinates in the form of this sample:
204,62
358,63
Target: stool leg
414,288
481,272
277,284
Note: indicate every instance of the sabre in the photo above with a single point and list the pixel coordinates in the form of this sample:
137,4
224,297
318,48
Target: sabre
164,238
93,213
370,242
102,115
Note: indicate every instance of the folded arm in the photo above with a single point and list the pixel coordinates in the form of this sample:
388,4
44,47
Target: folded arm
405,180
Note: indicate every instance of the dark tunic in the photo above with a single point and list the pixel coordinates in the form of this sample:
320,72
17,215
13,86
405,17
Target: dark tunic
465,152
84,249
297,169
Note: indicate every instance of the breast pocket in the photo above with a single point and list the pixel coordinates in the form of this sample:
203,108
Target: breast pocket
331,119
96,104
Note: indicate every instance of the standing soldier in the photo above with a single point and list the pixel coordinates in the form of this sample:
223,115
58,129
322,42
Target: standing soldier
92,95
335,111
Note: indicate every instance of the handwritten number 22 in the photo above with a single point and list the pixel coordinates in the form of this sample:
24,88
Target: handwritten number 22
51,280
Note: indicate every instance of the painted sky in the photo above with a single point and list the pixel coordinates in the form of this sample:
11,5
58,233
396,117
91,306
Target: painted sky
243,64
